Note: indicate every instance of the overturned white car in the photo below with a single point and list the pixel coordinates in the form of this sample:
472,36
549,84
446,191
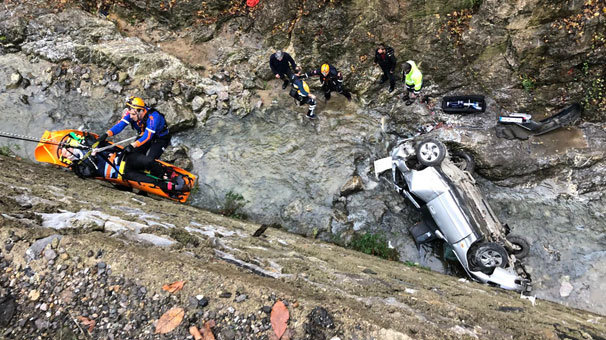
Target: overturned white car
441,186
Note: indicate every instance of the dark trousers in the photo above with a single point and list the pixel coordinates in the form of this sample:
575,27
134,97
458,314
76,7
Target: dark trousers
155,147
137,163
387,74
285,76
337,86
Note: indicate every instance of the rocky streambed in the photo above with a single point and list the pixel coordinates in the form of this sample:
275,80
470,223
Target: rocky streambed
242,134
81,260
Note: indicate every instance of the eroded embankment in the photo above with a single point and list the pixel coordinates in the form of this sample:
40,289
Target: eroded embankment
116,249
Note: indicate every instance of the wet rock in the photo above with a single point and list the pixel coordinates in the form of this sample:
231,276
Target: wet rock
566,288
155,240
114,86
353,185
8,306
390,334
175,89
178,156
178,116
222,96
34,295
55,243
24,99
202,302
228,334
318,321
49,254
122,77
41,324
14,80
196,103
36,249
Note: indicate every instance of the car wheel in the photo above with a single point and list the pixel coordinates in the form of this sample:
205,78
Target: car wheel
521,247
430,152
463,161
487,256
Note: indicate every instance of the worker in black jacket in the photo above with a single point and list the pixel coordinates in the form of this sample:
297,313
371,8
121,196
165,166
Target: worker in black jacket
331,80
385,57
283,66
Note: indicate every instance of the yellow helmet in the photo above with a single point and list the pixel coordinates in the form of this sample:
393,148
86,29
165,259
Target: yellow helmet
325,69
135,103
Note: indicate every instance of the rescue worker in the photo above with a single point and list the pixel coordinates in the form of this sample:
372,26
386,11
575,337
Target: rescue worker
386,59
413,78
331,80
283,66
111,163
150,124
300,91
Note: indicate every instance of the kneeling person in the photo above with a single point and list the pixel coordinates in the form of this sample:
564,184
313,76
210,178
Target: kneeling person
150,124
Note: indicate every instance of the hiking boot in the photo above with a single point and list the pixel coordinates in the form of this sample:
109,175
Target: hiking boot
285,84
311,115
409,102
348,96
391,88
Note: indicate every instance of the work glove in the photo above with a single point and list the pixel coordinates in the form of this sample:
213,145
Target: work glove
129,148
102,138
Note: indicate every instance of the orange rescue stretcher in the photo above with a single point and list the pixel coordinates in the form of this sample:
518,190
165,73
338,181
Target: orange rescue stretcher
49,148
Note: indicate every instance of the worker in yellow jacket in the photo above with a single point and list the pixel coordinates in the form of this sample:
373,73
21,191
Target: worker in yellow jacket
412,76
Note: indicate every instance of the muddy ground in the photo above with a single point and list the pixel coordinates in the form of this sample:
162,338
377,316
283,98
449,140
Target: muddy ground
112,240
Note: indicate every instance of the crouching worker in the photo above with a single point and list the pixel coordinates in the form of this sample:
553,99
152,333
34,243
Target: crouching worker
412,76
300,91
150,124
118,166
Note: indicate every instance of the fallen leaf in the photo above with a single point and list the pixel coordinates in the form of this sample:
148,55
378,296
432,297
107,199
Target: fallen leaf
193,330
174,287
206,332
170,320
279,317
87,322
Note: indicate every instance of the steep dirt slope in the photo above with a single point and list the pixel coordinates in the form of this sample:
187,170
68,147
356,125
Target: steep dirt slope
118,248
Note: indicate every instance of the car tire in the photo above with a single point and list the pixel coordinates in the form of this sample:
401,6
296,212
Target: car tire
430,152
485,257
521,246
463,161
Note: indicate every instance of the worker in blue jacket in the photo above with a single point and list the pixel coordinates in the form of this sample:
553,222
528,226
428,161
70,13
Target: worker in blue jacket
150,124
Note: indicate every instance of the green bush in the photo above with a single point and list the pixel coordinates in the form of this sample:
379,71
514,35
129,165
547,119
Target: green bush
528,83
6,151
374,244
233,203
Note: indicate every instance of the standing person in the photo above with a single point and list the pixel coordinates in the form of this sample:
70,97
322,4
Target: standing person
331,80
282,65
150,124
385,57
300,91
413,78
